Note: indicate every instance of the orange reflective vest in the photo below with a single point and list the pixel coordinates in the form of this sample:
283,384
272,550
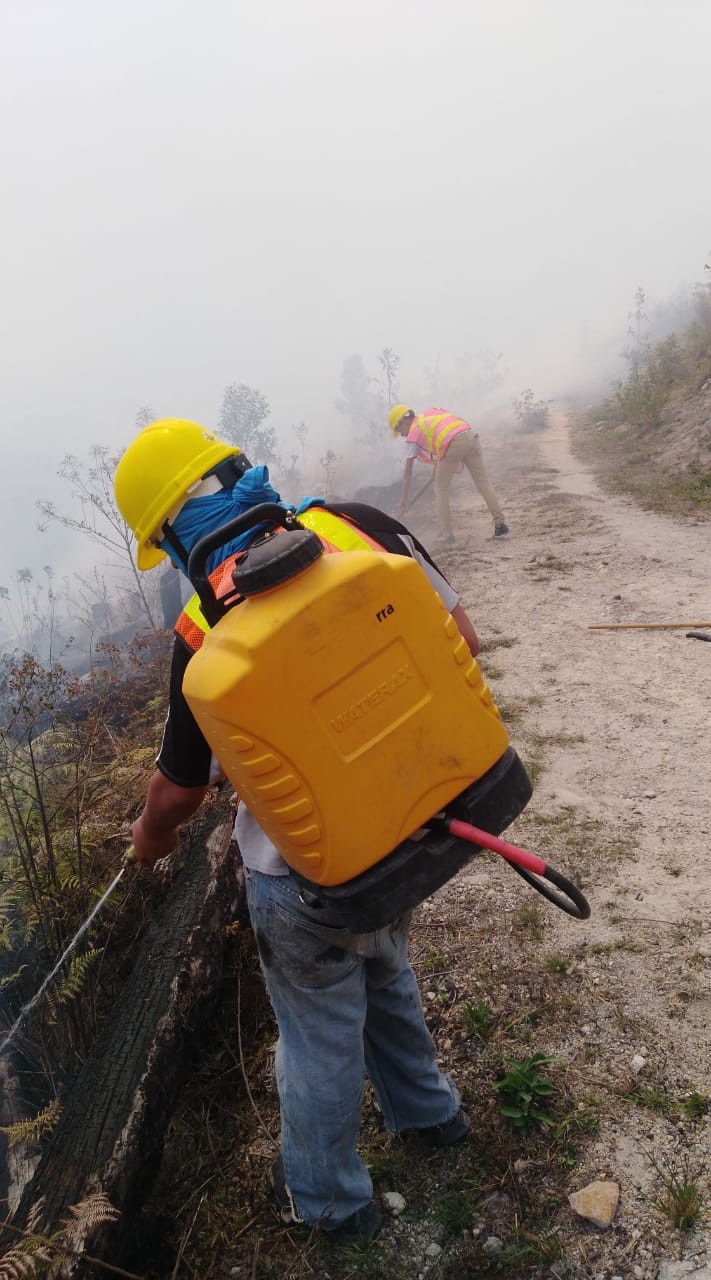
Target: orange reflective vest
336,533
434,431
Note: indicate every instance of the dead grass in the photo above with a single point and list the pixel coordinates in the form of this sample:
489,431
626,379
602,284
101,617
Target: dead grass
544,566
497,641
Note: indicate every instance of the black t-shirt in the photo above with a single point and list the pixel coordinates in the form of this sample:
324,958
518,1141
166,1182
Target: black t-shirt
184,755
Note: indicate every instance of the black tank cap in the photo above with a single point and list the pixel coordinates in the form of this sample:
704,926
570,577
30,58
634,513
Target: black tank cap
275,560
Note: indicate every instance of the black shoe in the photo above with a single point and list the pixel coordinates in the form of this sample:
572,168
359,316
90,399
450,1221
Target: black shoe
447,1134
363,1225
500,529
282,1195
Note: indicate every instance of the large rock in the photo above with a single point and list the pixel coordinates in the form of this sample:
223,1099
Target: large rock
597,1202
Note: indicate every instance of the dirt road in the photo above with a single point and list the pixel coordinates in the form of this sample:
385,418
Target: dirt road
614,726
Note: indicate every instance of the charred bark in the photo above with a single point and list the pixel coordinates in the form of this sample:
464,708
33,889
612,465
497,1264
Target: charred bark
110,1136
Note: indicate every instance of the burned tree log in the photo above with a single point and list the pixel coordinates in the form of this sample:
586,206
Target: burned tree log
384,496
110,1136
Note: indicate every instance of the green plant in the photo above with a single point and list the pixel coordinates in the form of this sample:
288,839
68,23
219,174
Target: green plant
362,1259
521,1090
533,1249
680,1196
454,1211
555,963
510,713
693,1104
651,1098
435,961
697,486
31,1130
529,918
453,929
385,1159
534,768
583,1119
478,1019
641,402
532,415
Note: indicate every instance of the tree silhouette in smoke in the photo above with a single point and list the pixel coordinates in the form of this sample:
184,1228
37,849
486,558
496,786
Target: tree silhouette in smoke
242,420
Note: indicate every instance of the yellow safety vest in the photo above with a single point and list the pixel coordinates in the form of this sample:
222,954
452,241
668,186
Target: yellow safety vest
336,533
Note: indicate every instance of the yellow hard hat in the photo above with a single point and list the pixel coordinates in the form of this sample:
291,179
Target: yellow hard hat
396,415
155,474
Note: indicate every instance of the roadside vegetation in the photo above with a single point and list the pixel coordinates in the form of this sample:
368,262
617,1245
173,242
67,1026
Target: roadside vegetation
651,438
74,755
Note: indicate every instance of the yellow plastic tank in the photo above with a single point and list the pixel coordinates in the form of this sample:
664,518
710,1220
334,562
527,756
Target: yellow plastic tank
344,706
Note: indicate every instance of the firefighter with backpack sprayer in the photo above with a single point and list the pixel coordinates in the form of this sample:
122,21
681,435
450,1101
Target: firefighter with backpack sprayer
346,1004
438,437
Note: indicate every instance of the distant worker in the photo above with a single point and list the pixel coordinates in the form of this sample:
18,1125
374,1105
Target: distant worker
438,437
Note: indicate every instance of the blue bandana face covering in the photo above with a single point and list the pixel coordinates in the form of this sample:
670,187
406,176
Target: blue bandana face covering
200,516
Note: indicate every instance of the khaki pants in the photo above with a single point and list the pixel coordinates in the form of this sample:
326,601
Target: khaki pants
464,448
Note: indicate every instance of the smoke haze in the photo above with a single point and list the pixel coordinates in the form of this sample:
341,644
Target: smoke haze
201,193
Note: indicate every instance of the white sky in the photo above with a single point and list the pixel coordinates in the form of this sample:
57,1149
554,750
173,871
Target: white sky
196,192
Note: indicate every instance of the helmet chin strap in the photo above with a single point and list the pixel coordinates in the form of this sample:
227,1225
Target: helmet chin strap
206,485
225,476
180,550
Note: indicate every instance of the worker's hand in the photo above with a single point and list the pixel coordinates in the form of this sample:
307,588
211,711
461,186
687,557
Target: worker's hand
150,847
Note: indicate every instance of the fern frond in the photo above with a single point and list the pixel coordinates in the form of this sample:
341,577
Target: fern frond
34,1217
91,1212
23,1262
69,883
9,902
30,1130
9,978
52,1014
76,980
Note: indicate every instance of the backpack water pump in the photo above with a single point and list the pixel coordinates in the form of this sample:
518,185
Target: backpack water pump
347,711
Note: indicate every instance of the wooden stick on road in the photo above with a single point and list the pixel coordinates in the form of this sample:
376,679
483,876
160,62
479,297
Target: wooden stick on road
647,626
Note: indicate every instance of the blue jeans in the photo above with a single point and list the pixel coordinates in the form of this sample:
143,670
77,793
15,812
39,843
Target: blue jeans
346,1004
